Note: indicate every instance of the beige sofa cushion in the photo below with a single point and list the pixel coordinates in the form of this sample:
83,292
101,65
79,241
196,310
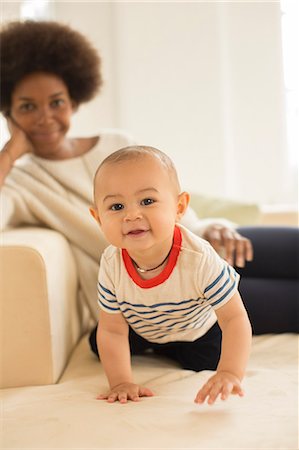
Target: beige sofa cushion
39,314
68,416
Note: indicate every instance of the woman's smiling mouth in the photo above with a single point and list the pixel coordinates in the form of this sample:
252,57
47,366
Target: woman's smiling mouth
45,136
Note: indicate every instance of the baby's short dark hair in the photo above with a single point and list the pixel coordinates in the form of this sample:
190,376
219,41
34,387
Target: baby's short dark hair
134,152
50,47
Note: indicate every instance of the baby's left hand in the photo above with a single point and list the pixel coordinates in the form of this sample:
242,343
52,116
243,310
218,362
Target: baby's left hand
223,384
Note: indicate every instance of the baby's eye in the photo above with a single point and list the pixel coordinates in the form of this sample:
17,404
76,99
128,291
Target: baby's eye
116,207
147,201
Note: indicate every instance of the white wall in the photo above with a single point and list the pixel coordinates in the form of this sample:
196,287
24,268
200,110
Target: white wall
168,79
202,81
94,19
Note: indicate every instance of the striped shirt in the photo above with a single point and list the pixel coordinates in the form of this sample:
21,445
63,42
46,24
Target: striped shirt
179,303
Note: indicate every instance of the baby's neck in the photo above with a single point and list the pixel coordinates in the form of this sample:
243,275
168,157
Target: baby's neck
152,268
153,273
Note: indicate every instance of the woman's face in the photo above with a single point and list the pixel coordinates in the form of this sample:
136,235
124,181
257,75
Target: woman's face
42,108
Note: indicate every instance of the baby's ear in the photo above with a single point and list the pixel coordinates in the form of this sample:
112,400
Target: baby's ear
94,214
182,205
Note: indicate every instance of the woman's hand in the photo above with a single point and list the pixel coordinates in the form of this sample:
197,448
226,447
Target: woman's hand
237,249
19,143
124,392
16,147
223,384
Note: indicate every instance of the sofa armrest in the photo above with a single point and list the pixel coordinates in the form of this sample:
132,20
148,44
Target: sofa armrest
279,215
40,320
241,213
244,213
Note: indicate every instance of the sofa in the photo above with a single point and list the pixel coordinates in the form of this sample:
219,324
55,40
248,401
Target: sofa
50,379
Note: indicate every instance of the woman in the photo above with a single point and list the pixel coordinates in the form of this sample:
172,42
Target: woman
47,71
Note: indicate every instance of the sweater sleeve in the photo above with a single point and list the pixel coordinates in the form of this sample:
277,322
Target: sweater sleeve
14,210
198,226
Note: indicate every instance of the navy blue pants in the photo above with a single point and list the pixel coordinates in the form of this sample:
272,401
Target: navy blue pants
202,354
269,284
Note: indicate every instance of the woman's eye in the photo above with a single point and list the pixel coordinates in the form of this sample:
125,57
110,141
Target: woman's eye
27,107
57,102
117,207
147,201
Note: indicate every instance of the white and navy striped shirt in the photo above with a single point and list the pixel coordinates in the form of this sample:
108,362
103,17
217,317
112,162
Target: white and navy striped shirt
179,303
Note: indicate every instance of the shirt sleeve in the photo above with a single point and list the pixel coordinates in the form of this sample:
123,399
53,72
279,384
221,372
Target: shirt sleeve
220,280
106,292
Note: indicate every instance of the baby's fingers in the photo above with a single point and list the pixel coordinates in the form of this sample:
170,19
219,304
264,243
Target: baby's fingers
101,397
210,392
214,392
122,397
113,397
125,392
227,389
203,393
145,392
237,390
107,397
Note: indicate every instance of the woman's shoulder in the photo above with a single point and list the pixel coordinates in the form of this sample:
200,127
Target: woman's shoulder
117,137
109,140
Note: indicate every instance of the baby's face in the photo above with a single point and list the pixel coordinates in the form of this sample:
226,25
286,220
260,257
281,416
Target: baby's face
137,203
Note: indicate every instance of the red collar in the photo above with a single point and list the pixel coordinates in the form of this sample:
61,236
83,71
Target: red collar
166,272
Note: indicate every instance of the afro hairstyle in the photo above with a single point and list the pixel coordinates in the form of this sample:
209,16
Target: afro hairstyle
50,47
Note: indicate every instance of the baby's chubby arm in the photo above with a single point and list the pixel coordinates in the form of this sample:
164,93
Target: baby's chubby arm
235,350
114,350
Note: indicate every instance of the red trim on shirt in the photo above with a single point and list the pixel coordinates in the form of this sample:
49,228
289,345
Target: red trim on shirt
166,272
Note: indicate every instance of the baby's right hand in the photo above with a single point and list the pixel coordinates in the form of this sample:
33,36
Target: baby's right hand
124,392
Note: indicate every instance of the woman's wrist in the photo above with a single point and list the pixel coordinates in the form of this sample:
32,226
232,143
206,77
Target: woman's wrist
9,156
6,163
13,151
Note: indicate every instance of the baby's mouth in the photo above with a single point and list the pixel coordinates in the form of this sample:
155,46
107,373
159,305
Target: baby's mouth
136,232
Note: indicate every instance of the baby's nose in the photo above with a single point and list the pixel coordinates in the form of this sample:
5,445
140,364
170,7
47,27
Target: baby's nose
133,213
